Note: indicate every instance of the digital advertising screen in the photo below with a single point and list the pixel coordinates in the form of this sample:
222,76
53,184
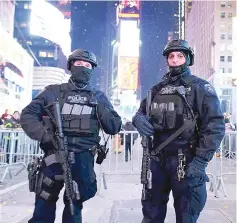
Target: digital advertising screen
129,9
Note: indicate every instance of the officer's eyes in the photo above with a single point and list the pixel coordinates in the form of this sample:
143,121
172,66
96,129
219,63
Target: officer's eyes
78,64
179,56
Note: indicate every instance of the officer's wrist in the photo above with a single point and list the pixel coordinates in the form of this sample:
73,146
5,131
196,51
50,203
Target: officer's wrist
199,161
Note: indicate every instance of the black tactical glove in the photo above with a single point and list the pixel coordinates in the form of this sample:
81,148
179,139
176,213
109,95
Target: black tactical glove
47,141
196,171
144,127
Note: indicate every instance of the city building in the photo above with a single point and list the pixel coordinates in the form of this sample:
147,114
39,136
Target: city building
209,30
181,19
170,36
234,67
44,31
16,65
7,10
105,78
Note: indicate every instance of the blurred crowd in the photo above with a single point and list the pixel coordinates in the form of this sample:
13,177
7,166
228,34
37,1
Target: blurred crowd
9,120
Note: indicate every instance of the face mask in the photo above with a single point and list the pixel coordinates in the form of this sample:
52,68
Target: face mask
81,74
178,70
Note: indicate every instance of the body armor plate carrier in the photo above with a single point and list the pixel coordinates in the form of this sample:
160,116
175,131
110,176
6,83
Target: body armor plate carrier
168,109
79,114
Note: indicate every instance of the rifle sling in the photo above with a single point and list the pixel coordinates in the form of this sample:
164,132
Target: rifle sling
185,126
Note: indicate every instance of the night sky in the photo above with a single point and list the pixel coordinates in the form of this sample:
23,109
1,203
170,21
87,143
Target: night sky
157,18
88,28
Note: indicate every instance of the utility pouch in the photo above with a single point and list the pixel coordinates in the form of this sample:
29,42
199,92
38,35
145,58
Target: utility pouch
31,176
170,119
170,116
35,175
157,113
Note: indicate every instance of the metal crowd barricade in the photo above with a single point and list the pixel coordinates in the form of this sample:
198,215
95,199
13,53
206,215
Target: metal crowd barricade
127,161
226,160
222,164
124,157
16,151
211,172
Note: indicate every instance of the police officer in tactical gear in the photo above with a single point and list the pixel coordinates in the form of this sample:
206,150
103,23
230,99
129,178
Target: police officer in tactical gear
84,112
187,126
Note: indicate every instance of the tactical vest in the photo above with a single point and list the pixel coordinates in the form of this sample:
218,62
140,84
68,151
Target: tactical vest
79,113
168,109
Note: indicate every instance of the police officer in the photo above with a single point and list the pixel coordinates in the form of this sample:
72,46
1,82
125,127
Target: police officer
82,121
180,100
128,139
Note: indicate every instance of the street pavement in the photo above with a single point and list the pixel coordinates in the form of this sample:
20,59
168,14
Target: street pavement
119,203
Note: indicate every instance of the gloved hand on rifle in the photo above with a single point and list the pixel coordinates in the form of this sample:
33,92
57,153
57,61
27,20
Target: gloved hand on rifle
141,122
196,172
47,142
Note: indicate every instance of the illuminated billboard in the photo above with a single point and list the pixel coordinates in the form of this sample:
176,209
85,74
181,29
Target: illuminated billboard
127,73
48,22
65,7
16,69
129,38
129,9
17,63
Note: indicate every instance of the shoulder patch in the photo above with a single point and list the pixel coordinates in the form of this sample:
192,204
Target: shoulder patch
209,88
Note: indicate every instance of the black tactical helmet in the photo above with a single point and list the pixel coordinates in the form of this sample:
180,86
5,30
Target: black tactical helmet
179,45
81,54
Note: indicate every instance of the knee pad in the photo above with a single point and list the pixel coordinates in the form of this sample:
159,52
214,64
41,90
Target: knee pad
52,182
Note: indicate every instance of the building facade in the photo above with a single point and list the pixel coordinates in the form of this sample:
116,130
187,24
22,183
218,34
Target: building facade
16,65
44,32
209,31
7,10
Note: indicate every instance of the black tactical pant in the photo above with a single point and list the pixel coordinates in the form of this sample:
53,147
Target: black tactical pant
127,150
82,173
188,201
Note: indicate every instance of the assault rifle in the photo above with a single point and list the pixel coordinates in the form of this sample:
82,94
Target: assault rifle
71,187
146,174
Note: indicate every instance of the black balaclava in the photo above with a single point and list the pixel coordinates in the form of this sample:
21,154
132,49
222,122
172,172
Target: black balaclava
81,75
177,70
